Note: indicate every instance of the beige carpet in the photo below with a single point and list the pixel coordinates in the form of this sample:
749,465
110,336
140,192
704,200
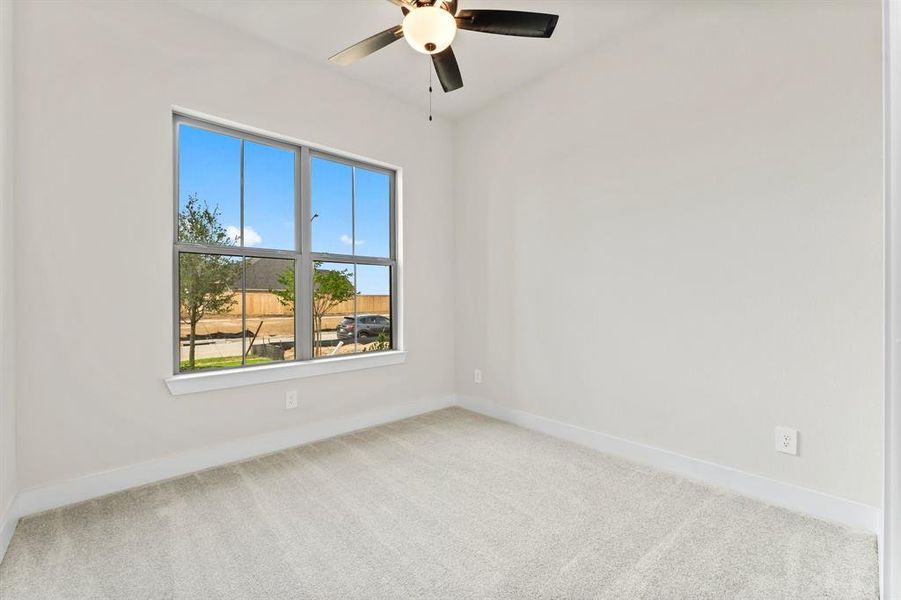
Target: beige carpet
445,505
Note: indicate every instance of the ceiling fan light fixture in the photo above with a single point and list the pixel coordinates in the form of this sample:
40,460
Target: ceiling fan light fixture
429,29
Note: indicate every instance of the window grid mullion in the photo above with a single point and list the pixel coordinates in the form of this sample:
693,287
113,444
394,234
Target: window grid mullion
303,284
392,251
360,260
243,267
176,268
235,251
353,247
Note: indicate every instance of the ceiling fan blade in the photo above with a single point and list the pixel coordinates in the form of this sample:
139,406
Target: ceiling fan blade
448,70
449,5
368,46
508,22
403,4
408,5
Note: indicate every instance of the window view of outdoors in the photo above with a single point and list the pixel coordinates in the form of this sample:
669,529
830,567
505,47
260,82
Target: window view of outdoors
372,326
268,197
269,312
210,308
332,206
351,308
351,300
238,254
209,172
333,297
372,213
223,323
220,325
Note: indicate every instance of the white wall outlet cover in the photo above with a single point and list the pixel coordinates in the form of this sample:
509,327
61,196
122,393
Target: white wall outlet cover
787,440
290,399
477,376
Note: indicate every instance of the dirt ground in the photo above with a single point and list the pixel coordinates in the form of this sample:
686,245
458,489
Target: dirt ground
350,348
272,326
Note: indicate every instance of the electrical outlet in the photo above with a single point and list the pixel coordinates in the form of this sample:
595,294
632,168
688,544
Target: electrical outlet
290,399
787,440
477,376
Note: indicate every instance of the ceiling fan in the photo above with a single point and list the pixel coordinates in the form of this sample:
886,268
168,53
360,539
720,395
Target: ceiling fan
429,26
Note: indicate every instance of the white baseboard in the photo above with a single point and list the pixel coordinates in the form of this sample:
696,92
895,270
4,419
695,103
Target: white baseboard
94,485
793,497
8,520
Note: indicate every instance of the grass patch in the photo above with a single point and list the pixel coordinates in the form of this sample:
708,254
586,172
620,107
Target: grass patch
222,363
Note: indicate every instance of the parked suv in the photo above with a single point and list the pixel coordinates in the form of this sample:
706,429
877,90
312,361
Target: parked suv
367,327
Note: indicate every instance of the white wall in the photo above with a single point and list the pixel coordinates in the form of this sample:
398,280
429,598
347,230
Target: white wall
892,534
94,220
677,240
8,485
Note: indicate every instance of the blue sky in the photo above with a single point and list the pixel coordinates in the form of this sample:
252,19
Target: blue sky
210,166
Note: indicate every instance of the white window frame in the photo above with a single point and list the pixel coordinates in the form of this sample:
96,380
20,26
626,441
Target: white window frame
304,365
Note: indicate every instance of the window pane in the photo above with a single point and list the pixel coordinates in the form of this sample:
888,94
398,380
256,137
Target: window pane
372,213
333,308
268,197
373,322
210,311
269,302
209,186
332,206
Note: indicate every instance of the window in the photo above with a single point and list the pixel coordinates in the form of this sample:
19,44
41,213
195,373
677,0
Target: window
282,253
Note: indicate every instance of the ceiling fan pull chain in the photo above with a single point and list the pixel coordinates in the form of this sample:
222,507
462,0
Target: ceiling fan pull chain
430,88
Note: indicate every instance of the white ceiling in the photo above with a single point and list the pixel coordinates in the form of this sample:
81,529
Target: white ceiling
492,65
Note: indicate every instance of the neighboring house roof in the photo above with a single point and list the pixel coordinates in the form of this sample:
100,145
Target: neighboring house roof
262,273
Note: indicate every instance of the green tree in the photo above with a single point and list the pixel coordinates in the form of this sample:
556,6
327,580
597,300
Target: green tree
206,281
285,295
330,288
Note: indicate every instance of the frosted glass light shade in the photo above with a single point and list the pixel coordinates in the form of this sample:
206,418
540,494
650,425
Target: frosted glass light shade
429,29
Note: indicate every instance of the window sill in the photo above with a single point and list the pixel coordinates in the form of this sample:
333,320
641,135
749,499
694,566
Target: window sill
191,383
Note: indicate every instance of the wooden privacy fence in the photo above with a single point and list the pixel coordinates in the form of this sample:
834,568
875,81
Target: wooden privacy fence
267,304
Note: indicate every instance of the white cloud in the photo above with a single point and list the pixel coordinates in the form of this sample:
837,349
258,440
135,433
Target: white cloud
347,241
251,237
